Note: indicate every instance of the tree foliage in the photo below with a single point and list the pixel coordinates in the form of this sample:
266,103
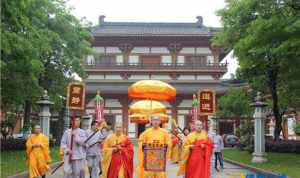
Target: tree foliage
234,104
265,37
42,46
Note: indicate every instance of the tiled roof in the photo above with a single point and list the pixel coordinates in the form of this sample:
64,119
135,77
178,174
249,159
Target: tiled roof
152,29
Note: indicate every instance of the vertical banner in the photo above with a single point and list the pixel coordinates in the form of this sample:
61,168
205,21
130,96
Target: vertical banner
207,100
99,108
194,111
76,96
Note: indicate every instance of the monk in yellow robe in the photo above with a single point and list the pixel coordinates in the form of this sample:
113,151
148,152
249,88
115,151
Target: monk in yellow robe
176,148
37,150
117,155
197,151
157,138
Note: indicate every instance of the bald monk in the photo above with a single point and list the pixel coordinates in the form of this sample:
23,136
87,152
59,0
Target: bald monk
37,150
157,138
197,151
117,155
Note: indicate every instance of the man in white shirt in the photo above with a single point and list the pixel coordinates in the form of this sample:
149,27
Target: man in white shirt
218,147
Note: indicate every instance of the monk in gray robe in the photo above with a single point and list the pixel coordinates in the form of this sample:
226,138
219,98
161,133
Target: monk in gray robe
74,156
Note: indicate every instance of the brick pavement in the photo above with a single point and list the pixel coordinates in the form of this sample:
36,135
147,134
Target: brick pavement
229,171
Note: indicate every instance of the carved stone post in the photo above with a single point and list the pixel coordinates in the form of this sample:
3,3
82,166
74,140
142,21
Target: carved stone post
45,114
259,130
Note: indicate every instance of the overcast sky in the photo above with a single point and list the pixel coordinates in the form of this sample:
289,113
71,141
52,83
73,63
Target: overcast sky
153,11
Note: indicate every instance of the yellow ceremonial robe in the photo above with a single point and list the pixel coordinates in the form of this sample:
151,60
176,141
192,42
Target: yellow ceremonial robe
126,167
149,136
192,139
38,158
175,154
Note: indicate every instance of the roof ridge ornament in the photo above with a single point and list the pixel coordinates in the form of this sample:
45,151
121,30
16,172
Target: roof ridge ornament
101,19
199,21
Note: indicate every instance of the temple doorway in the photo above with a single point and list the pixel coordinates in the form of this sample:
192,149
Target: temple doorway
141,128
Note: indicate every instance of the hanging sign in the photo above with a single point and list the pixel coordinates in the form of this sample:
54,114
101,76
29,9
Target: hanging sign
76,96
207,102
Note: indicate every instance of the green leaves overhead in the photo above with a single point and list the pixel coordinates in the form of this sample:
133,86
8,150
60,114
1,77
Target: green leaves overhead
234,104
265,38
43,44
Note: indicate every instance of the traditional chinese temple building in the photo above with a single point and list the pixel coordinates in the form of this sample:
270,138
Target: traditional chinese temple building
180,54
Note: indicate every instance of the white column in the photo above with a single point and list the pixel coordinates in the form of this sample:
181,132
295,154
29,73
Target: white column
131,129
119,119
181,121
271,126
86,122
212,126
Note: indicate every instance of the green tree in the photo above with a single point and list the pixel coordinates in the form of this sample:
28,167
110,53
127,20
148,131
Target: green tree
42,46
234,104
265,38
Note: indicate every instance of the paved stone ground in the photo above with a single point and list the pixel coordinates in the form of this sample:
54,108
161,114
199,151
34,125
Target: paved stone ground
229,171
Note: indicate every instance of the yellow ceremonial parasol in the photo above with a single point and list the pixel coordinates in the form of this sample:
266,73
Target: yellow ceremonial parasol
147,107
151,89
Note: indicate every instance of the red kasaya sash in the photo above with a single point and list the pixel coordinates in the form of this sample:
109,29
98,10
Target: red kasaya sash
174,141
198,164
122,157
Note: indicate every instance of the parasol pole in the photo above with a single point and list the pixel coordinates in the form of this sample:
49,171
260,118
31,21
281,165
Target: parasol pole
150,114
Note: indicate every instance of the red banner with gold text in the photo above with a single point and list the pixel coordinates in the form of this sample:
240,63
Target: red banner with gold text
76,96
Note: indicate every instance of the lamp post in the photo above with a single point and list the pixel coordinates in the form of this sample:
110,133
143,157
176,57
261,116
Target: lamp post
66,114
45,114
259,130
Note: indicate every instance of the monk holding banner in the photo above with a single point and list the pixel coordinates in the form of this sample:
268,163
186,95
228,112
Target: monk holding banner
153,151
197,151
117,155
37,149
73,146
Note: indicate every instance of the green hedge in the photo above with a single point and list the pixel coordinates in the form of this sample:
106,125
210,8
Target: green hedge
13,162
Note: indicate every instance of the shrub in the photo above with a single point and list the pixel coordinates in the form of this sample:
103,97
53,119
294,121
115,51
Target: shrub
283,146
17,144
246,132
297,129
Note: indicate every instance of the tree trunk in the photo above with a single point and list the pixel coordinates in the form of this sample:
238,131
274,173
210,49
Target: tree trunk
278,119
272,73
